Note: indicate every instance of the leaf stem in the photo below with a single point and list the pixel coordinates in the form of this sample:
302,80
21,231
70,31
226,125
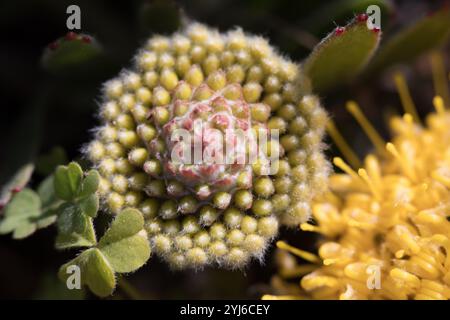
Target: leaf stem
130,290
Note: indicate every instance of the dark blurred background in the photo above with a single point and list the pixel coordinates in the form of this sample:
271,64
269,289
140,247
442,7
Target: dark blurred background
41,109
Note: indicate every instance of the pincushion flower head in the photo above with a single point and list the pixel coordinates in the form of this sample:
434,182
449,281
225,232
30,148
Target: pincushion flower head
222,94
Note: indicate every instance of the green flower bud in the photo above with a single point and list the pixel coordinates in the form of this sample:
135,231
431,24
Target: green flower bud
168,210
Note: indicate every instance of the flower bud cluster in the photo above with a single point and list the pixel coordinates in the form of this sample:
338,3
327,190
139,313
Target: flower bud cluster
200,213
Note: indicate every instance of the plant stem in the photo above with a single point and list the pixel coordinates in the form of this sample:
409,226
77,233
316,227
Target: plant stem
130,290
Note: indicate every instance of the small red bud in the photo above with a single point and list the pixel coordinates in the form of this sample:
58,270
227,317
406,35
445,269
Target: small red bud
86,39
339,30
71,36
53,45
376,30
362,17
16,189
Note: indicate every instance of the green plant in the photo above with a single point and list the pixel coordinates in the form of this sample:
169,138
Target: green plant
188,216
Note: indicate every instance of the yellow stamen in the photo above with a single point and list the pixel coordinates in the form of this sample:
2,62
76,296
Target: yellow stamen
342,145
405,96
300,253
329,262
404,164
400,254
439,81
408,118
338,162
363,174
438,103
309,227
298,271
373,135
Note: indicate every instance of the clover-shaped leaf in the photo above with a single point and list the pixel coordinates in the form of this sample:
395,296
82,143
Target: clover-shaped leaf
123,248
95,272
46,192
25,214
125,244
17,182
90,183
75,228
81,203
341,55
68,181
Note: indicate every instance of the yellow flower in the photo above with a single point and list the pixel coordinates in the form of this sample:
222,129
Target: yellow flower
386,226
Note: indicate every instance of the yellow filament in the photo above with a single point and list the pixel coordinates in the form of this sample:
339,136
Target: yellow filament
438,103
329,262
298,271
439,80
309,227
400,254
363,174
370,131
404,164
408,118
300,253
342,145
405,96
338,162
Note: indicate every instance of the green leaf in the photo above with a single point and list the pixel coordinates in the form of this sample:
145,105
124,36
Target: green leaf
90,205
90,183
19,180
46,221
46,163
24,214
24,204
95,271
123,244
46,192
24,230
424,35
67,181
127,223
8,224
340,57
68,56
127,254
75,229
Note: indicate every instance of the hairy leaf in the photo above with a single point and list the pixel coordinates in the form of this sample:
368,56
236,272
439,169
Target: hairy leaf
74,53
89,205
75,229
90,183
341,55
123,244
68,181
95,272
